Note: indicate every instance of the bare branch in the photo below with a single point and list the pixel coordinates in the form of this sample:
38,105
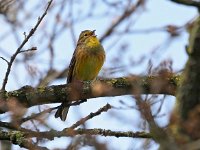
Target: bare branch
125,15
35,116
22,45
68,133
187,2
90,116
5,60
159,135
28,50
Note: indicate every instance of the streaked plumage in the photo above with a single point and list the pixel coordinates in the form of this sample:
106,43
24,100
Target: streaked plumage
87,60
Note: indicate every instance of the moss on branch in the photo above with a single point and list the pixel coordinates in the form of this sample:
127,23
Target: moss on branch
29,96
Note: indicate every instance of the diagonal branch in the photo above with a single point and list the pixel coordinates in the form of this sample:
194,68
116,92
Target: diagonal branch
22,45
128,12
159,135
90,116
187,2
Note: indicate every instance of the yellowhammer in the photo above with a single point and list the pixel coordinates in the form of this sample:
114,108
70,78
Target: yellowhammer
87,60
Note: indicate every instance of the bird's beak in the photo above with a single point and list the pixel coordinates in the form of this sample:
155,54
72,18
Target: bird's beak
93,33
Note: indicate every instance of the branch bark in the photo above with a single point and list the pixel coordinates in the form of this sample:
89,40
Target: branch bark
189,92
80,131
18,138
29,96
185,120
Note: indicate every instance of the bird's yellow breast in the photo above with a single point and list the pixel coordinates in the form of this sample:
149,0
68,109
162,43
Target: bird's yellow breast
92,42
88,64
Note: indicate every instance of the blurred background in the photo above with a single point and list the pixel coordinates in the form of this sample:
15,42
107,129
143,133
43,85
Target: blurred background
139,37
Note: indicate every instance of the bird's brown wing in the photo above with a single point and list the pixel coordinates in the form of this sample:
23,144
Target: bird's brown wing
71,66
63,110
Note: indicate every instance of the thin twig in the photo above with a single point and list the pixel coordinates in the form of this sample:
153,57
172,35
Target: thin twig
22,45
28,50
90,116
77,102
34,116
13,126
5,60
125,15
158,133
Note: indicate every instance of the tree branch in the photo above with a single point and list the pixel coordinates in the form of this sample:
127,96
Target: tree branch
159,135
127,13
17,137
29,96
91,115
22,45
68,133
187,2
186,118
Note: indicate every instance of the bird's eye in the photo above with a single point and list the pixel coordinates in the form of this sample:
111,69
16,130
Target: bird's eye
86,34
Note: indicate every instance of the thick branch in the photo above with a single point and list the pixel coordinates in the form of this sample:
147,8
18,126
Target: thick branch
186,116
17,137
189,93
29,96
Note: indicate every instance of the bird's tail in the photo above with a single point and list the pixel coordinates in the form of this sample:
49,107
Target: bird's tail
62,112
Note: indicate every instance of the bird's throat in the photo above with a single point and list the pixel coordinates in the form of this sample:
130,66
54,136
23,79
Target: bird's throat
92,42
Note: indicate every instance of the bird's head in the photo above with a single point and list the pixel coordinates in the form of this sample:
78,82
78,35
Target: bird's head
88,38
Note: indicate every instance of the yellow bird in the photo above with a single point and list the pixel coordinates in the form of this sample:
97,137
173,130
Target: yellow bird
87,60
